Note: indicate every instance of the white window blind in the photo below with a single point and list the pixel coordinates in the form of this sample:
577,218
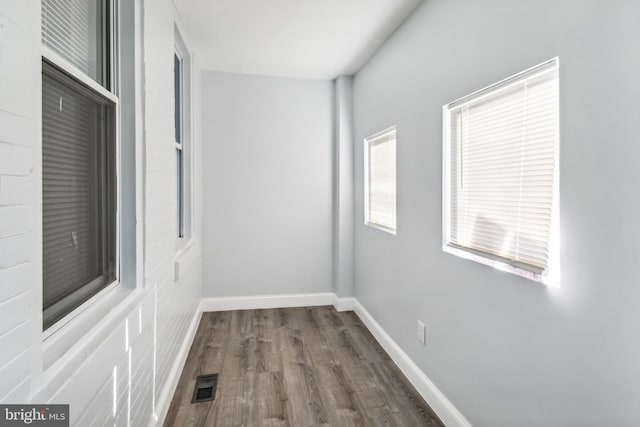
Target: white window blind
380,192
501,158
77,31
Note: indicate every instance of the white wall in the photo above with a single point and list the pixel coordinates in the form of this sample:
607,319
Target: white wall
176,301
268,185
142,336
507,351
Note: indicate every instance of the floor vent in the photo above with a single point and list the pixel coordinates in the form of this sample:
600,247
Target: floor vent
205,388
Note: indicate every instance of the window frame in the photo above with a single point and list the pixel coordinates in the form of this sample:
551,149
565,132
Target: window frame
184,181
111,94
367,178
106,170
179,144
550,276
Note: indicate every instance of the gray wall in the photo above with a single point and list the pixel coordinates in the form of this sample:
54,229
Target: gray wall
507,351
267,185
343,188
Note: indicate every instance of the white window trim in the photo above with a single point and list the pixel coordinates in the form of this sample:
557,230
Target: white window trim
186,146
77,74
62,335
367,221
81,323
58,354
180,146
551,277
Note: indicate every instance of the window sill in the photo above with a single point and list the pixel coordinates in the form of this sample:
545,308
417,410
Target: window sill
80,329
381,227
183,246
183,258
498,265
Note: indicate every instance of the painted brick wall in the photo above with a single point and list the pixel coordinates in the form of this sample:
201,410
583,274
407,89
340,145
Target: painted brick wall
19,110
172,301
120,372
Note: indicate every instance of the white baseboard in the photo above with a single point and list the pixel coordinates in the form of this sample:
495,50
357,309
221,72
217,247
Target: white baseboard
344,304
447,413
164,401
267,301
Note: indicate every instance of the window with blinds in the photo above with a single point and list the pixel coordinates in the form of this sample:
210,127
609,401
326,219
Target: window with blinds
380,180
79,191
77,30
501,173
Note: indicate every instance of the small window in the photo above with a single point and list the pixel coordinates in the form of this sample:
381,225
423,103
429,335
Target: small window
501,174
178,86
380,180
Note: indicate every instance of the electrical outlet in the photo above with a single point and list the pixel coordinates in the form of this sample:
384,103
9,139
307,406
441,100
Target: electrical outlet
422,333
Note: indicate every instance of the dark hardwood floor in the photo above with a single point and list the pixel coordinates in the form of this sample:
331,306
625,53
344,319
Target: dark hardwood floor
294,367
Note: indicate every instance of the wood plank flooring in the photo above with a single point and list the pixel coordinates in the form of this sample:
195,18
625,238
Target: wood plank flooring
294,367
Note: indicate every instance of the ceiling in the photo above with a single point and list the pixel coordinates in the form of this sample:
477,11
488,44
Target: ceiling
316,39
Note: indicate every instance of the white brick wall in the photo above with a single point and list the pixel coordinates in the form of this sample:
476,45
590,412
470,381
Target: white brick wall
19,80
16,190
143,336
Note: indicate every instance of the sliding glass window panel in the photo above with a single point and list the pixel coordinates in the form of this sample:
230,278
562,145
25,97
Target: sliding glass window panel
79,193
78,31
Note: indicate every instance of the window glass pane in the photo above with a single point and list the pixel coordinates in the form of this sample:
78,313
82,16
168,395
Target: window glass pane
78,180
382,180
177,85
180,173
178,114
77,30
